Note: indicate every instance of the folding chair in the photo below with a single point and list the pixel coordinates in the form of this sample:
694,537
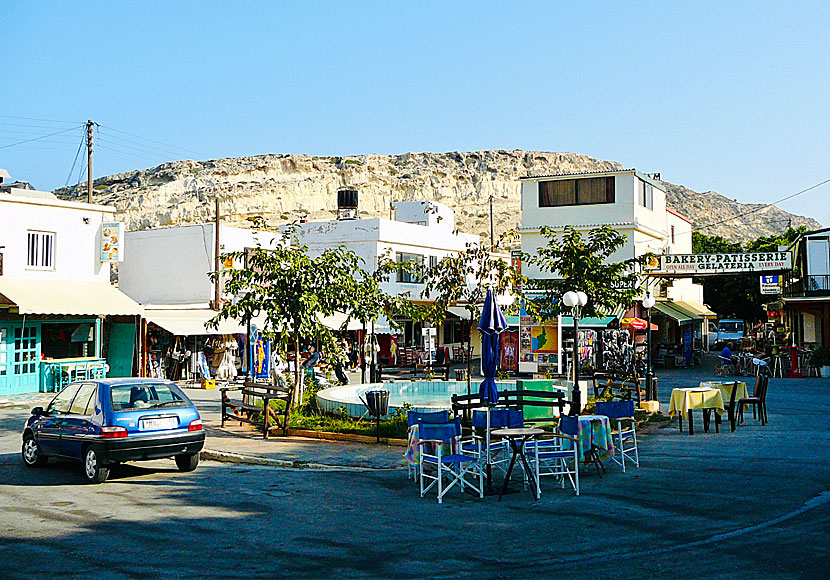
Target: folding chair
552,457
417,418
626,436
456,466
499,417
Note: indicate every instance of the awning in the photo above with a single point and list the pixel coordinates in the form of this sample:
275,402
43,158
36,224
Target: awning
678,313
66,298
589,321
696,308
191,322
637,324
336,320
462,312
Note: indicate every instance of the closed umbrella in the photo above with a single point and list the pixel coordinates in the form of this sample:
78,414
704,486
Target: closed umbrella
491,325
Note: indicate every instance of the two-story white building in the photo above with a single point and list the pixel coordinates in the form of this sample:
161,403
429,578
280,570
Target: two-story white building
421,231
633,204
55,292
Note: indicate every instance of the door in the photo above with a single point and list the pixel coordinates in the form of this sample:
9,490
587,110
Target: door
76,427
48,428
19,358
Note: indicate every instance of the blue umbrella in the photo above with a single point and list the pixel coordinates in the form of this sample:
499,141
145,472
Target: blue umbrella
491,325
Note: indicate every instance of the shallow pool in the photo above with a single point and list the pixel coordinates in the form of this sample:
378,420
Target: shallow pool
422,395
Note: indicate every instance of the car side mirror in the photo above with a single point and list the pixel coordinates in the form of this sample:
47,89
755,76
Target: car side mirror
38,411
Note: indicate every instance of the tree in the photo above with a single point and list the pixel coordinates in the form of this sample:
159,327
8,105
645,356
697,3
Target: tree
737,296
581,264
294,290
463,279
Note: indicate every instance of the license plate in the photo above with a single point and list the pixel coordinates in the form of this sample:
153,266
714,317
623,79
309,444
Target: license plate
158,423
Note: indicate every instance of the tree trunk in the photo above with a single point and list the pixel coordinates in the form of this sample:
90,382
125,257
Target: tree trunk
298,375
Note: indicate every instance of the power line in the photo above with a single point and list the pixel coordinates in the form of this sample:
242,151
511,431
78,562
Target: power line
38,138
77,153
156,142
37,119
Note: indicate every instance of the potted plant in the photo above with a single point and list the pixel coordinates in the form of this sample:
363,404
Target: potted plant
821,360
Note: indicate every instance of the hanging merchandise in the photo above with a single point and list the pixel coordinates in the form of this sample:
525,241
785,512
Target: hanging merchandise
224,356
203,366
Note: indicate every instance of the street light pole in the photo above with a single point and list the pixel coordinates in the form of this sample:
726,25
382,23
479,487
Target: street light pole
575,300
648,304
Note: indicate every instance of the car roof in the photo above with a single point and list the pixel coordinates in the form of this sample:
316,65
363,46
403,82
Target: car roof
127,381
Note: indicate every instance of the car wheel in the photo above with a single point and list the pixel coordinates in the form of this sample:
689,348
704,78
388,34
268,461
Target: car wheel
93,470
31,453
187,462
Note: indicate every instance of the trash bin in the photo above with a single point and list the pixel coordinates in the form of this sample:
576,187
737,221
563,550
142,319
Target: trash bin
377,401
460,374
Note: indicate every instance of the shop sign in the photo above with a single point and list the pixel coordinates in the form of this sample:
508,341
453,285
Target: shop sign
516,262
771,285
744,263
112,242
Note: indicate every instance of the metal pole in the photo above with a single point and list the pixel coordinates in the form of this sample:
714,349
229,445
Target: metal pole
492,234
649,372
216,259
89,125
577,394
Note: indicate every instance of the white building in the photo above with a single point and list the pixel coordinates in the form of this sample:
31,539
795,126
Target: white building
55,291
633,204
422,231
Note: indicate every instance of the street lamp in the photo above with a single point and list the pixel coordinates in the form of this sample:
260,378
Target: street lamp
575,300
648,304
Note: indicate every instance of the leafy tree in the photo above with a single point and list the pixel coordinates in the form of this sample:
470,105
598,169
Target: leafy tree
737,296
294,290
581,263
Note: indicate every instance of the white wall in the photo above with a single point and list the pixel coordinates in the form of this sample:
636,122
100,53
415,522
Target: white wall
76,243
171,265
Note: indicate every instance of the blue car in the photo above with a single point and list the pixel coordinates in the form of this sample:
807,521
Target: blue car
106,421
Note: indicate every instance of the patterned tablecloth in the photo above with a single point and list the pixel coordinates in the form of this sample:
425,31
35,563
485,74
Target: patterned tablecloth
726,388
596,430
683,400
413,450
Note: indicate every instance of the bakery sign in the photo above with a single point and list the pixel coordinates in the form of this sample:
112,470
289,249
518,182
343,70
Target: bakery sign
708,264
112,242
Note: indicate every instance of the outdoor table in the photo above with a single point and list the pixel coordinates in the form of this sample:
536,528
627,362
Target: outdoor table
518,437
685,400
595,441
726,388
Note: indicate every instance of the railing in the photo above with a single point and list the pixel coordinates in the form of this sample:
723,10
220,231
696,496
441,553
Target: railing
813,285
55,375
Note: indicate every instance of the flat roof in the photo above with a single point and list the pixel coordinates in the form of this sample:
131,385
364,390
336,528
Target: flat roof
639,174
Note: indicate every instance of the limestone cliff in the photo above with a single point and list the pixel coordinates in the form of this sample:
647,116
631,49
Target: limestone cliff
285,187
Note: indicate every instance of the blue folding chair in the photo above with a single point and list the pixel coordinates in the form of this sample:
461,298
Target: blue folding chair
626,436
456,466
553,457
499,450
419,417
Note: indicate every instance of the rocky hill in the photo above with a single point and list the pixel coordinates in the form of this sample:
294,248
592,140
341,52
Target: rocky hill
286,187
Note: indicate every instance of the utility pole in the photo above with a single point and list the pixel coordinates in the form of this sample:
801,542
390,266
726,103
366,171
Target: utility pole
492,235
218,282
89,125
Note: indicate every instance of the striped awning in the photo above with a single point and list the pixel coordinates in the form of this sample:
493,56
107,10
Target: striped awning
66,297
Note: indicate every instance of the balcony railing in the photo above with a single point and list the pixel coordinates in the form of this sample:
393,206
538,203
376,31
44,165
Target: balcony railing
814,285
55,375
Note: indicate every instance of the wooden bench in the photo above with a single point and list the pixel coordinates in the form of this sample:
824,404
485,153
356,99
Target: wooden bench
245,409
622,387
416,371
516,400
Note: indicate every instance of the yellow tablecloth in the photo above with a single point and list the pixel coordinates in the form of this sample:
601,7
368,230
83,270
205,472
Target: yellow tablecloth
726,388
682,400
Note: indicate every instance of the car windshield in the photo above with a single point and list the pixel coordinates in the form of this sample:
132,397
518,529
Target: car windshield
730,327
146,396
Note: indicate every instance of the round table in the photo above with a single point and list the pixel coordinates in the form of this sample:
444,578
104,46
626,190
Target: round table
517,438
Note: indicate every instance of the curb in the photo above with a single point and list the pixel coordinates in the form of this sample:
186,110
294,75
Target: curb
239,458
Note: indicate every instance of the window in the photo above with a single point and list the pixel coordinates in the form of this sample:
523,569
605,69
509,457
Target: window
3,352
403,275
80,405
645,194
41,250
25,350
453,332
144,396
587,191
60,404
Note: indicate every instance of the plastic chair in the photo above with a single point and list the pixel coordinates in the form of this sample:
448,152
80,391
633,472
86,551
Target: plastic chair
758,400
551,457
455,466
626,436
419,417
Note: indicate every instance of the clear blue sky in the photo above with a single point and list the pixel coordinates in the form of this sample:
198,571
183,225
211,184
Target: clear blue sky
725,96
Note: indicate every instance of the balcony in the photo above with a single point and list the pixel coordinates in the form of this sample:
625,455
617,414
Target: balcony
815,285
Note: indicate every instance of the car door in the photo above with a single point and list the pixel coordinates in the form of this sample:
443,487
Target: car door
76,427
48,428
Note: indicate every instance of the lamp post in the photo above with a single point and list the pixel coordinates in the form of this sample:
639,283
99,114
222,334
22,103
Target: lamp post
648,304
575,300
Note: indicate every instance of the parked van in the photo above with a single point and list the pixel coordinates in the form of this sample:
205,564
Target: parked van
730,331
713,335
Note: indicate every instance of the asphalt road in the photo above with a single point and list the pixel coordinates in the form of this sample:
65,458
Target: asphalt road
753,504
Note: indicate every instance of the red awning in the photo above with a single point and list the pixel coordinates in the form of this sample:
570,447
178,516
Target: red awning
637,324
